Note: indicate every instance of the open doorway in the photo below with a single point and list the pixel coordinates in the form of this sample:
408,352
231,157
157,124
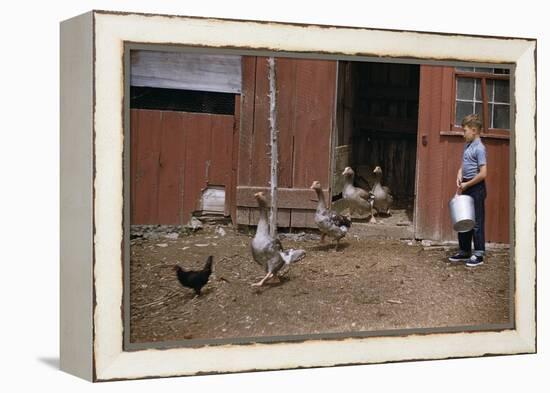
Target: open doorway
377,118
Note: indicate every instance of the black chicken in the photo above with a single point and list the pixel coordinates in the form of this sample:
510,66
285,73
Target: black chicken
195,279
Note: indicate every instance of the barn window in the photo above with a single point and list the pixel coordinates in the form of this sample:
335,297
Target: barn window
485,91
182,100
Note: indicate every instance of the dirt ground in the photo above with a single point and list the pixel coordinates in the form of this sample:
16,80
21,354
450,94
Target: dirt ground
369,285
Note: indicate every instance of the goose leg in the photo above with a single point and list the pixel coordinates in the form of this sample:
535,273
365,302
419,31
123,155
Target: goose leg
260,283
372,219
323,235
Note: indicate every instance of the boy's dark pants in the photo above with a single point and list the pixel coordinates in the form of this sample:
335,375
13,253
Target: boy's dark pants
479,193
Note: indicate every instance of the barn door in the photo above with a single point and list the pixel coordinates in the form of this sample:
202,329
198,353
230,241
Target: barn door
305,111
435,163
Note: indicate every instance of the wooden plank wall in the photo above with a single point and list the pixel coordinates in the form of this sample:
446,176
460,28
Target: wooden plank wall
345,104
395,154
440,157
174,156
305,99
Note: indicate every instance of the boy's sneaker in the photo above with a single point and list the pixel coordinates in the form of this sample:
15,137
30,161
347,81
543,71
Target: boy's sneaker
459,257
475,260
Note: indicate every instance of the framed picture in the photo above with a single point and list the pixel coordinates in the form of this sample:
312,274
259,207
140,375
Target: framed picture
242,195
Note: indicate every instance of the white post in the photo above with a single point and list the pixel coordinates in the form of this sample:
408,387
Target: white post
274,143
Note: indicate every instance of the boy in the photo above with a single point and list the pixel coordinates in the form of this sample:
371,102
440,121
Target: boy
470,180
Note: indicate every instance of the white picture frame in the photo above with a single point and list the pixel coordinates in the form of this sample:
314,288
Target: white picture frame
92,194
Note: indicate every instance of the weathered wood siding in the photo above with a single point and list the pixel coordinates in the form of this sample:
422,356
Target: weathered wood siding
439,157
305,99
187,71
174,156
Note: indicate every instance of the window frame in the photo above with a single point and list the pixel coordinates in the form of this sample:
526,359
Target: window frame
487,132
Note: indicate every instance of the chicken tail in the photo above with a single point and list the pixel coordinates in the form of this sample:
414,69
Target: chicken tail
208,264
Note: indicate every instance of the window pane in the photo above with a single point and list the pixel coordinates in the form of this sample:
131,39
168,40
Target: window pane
490,85
502,91
477,88
462,109
481,69
501,116
465,89
479,110
489,70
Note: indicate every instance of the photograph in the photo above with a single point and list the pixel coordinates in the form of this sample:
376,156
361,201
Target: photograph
280,198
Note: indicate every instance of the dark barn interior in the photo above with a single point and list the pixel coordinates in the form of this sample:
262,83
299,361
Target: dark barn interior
377,117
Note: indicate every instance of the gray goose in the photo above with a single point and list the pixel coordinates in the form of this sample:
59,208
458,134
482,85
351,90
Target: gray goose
268,251
330,224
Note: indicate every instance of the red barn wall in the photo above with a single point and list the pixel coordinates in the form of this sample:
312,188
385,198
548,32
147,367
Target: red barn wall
439,156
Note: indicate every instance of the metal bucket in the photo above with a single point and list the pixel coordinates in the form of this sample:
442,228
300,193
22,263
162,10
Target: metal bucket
463,214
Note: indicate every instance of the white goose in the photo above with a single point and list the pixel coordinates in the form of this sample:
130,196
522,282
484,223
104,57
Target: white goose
383,198
355,197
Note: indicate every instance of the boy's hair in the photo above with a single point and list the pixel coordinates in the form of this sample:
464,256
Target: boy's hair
472,121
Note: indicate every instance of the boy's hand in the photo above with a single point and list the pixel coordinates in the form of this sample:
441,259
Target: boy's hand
463,186
458,182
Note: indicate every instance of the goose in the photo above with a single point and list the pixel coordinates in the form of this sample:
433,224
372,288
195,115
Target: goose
330,223
268,251
383,198
356,198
